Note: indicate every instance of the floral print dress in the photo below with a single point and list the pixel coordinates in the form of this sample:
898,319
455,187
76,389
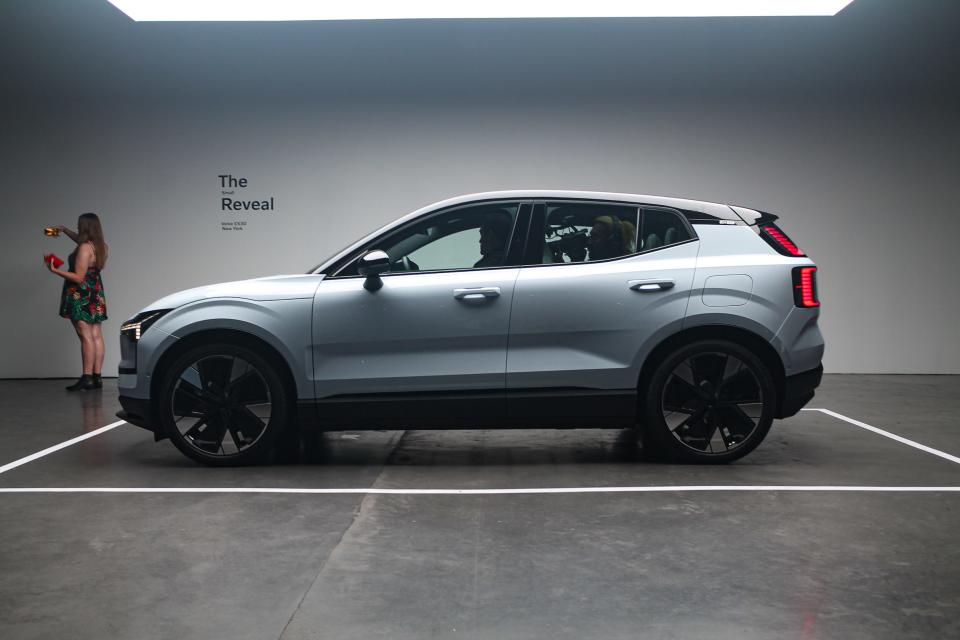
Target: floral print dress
85,301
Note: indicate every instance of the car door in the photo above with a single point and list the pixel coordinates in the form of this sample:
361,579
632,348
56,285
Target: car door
590,305
429,345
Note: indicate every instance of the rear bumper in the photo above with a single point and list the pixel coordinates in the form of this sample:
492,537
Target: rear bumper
798,390
137,411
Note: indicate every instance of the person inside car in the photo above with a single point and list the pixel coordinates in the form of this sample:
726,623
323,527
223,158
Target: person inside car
494,233
606,238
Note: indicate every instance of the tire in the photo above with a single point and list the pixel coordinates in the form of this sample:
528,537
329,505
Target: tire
224,404
710,401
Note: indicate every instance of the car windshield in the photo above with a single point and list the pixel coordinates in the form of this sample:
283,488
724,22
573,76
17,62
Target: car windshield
335,253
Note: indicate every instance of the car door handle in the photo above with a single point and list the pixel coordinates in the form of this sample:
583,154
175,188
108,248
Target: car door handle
648,286
477,293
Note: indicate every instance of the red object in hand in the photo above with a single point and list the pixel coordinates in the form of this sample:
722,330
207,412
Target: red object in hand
57,262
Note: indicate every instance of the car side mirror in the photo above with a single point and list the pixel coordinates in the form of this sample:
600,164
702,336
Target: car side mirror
371,265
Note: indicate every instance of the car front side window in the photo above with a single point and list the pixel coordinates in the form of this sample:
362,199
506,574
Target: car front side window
470,237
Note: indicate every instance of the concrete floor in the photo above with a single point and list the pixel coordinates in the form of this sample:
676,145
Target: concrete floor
676,564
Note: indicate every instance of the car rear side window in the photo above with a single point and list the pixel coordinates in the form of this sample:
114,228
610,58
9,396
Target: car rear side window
587,232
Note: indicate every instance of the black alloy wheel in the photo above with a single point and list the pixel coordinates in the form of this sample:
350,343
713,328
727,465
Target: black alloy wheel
224,405
711,401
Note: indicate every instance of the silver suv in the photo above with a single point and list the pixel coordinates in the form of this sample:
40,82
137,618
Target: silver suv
694,322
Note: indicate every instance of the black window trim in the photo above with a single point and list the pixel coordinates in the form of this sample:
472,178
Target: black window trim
524,207
540,209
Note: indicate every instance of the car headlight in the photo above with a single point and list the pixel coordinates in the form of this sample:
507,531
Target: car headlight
137,325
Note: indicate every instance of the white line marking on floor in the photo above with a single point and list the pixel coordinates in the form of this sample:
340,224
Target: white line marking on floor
540,490
526,491
887,434
57,447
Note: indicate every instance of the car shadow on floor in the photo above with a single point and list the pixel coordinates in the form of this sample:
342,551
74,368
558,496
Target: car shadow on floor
474,448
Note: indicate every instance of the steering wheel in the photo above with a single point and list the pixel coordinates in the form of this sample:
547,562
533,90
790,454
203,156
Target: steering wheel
408,264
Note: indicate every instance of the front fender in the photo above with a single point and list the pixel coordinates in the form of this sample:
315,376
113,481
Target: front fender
283,324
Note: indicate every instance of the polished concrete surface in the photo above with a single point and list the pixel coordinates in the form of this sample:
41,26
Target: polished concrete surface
674,564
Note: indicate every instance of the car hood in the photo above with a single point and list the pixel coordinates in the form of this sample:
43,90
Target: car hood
289,287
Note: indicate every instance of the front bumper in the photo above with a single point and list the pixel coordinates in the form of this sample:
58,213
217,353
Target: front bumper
798,390
139,412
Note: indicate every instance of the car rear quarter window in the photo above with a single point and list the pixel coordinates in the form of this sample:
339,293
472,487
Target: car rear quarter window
661,228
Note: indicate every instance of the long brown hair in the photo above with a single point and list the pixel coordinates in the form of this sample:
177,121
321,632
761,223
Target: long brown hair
89,230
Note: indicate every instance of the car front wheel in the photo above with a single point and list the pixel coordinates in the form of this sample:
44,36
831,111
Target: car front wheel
223,404
711,401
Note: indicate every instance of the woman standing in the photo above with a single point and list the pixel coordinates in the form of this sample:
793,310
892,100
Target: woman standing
83,301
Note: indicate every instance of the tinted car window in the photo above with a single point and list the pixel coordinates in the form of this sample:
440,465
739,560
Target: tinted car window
584,232
661,228
472,237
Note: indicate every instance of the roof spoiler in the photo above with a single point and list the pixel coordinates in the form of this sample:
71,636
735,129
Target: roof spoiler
752,216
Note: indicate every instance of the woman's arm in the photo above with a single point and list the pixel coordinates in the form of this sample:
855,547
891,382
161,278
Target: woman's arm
84,256
70,234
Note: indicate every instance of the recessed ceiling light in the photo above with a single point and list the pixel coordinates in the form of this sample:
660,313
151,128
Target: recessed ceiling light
285,10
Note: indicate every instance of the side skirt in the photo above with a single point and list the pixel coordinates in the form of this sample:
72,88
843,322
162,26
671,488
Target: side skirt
521,409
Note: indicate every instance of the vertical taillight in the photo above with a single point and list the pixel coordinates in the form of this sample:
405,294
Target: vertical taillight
805,287
777,239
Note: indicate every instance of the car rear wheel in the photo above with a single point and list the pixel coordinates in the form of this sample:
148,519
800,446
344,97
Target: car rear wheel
224,404
711,401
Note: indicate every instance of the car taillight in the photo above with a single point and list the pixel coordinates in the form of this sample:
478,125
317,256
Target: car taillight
805,287
777,239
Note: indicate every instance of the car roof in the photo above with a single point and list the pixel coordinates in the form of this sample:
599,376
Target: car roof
711,209
693,209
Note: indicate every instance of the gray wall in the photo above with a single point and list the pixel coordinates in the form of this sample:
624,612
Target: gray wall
137,121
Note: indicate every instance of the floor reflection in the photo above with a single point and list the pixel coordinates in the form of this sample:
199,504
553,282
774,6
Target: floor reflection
91,403
94,416
457,447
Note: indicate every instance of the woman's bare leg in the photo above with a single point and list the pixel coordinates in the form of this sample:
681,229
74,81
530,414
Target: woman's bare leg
79,330
87,345
98,347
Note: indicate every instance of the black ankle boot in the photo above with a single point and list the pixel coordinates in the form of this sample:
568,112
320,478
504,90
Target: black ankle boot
85,382
97,381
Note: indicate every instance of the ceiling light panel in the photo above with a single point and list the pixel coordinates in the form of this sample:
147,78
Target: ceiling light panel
289,10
